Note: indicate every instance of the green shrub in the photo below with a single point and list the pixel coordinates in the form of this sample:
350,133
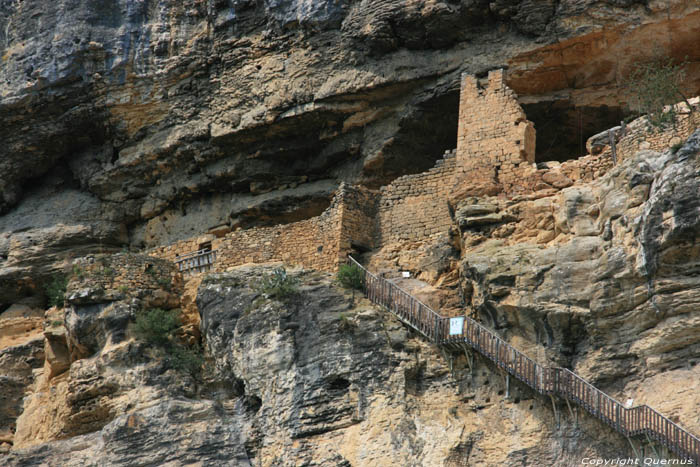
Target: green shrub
351,276
107,271
56,290
164,282
156,326
676,147
187,359
278,284
345,324
78,272
654,85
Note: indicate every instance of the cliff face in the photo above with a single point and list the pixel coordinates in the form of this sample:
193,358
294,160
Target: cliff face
321,378
143,122
600,278
136,123
603,285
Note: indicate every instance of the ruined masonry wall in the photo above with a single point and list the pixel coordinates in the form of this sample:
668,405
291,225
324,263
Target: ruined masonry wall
638,136
588,168
312,243
414,207
494,138
358,224
122,274
495,156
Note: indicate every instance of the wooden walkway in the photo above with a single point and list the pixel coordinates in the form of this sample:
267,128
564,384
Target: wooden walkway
640,421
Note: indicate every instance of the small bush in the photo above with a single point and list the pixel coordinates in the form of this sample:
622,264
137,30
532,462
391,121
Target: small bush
187,359
655,85
345,324
107,271
56,290
676,147
78,272
351,277
278,284
156,326
164,282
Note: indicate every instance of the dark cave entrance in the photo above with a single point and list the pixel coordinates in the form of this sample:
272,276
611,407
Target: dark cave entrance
563,128
427,129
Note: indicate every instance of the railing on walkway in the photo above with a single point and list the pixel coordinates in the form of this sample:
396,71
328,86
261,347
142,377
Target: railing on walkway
634,421
196,262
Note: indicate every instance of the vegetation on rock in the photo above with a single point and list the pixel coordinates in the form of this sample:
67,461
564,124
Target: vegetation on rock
657,86
345,323
157,327
56,290
278,284
351,277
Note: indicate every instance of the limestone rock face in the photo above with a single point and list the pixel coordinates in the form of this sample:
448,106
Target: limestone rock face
134,123
330,380
16,375
146,122
321,378
21,352
113,400
611,293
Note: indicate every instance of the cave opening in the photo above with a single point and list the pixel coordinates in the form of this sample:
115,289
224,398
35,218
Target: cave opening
563,127
426,131
338,383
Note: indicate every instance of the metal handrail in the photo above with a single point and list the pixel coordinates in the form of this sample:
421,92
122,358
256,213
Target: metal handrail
632,421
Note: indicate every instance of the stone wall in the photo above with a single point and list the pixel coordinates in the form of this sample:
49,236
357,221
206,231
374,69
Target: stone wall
321,242
414,207
312,243
638,135
358,225
125,275
494,138
495,155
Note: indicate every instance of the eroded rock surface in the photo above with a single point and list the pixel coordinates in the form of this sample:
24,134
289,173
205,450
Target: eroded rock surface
321,378
604,282
331,380
136,123
142,123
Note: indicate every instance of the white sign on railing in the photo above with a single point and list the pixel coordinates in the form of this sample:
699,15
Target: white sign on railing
456,326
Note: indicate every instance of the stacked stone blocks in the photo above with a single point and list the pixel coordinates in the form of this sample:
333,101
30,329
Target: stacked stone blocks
320,242
113,277
639,135
495,149
495,141
415,207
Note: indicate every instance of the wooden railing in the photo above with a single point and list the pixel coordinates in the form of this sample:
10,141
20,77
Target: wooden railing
196,262
630,421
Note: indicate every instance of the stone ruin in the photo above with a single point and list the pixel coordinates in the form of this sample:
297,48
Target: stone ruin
495,156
